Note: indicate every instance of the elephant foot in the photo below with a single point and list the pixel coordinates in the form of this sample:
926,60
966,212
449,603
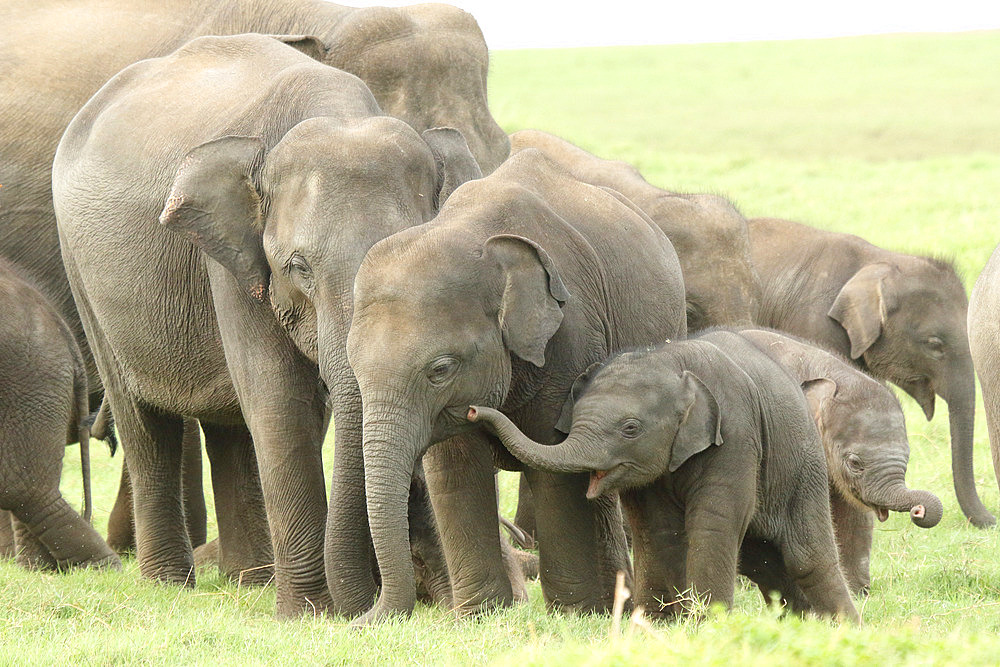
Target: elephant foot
111,562
305,606
207,554
244,574
477,607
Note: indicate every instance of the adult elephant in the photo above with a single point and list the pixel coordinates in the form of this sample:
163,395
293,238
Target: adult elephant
524,279
211,240
984,341
425,64
900,317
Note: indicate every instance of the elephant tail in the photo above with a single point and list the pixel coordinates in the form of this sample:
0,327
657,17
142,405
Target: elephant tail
81,395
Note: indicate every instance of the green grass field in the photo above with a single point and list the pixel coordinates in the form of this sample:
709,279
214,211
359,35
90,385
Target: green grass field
895,138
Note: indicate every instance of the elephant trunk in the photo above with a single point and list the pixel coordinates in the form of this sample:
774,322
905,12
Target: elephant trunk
925,509
959,391
392,444
571,456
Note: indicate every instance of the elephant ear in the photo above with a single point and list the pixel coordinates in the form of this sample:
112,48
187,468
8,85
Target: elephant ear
565,422
862,306
454,160
310,45
818,391
701,422
215,203
533,293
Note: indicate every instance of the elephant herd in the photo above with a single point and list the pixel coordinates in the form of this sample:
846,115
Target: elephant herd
260,217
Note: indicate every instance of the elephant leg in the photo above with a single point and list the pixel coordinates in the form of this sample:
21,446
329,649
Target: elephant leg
581,543
6,535
761,563
31,554
121,523
660,548
284,404
430,567
524,518
715,522
194,495
462,484
152,443
52,535
853,528
811,555
244,545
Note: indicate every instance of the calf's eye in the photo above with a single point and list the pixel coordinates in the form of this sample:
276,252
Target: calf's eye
631,428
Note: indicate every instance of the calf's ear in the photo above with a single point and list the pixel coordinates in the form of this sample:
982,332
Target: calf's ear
701,422
215,203
818,391
862,306
533,294
565,422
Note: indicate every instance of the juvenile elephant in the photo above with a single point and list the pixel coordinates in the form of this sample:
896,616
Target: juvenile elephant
901,318
524,278
863,433
710,445
43,405
425,64
211,240
984,341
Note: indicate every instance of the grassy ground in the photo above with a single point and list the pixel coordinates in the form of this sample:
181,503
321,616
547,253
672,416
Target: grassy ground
894,138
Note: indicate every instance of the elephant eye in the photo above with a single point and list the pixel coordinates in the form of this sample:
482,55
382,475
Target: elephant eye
442,369
631,428
855,464
936,347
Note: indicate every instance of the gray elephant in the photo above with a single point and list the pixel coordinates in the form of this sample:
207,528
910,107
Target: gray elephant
984,341
901,318
711,447
863,432
710,236
425,64
524,278
235,217
708,233
43,404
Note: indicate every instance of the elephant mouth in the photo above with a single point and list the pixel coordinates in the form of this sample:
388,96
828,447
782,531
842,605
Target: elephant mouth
882,514
594,489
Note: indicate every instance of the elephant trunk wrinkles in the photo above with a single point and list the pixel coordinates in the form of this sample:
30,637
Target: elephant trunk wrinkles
571,456
391,447
960,394
925,509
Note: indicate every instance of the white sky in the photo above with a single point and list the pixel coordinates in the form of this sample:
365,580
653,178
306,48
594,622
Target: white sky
514,24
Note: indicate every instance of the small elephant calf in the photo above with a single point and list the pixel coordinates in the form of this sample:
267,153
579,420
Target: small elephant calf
863,432
711,446
43,406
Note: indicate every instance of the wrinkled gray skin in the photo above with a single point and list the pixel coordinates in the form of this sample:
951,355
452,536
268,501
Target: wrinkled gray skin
237,214
864,437
710,445
425,64
43,394
525,278
984,341
901,318
710,236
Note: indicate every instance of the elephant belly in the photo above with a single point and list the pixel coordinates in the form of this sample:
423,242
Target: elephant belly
151,305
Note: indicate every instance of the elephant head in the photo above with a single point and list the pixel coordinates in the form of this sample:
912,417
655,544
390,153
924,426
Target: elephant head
292,222
633,420
425,64
907,321
864,439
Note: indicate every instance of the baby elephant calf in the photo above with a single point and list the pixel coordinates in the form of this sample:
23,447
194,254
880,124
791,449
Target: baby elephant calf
711,446
43,406
864,437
